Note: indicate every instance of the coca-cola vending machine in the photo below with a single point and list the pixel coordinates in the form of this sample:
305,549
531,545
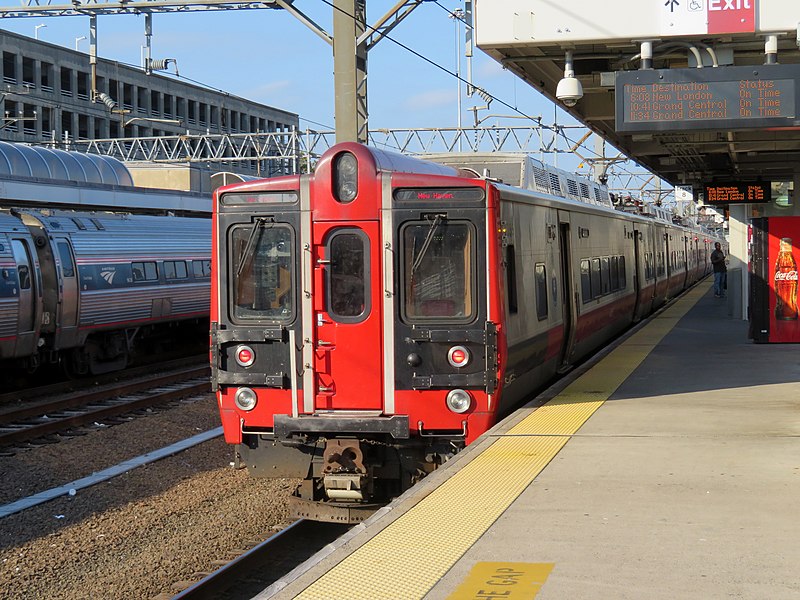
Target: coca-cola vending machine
773,279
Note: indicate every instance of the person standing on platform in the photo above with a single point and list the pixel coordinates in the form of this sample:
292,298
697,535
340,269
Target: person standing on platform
720,271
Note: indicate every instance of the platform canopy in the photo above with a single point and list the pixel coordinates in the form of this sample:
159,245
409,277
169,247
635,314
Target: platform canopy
683,86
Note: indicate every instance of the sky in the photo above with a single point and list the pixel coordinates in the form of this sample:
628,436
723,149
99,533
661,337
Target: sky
270,57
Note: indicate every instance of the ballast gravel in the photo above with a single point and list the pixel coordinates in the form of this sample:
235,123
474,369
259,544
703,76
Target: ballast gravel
139,534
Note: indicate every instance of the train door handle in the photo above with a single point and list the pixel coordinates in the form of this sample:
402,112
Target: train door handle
388,286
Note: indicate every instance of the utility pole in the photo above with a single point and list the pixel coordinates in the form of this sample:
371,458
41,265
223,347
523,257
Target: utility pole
350,70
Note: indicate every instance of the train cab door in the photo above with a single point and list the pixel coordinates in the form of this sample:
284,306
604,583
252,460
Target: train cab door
67,331
639,307
27,334
347,339
568,292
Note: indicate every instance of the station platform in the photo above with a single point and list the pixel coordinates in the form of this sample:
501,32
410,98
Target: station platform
666,467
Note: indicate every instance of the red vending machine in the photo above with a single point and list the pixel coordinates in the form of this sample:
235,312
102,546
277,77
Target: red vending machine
773,279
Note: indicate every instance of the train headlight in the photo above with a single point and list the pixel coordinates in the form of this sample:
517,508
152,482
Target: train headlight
345,177
459,401
458,356
245,356
245,398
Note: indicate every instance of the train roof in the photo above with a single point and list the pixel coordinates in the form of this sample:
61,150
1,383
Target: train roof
19,160
41,177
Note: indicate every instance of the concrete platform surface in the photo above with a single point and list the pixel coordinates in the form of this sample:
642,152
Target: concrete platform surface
685,483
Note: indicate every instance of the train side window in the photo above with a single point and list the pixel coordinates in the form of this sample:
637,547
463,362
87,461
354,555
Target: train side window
67,264
201,268
438,271
661,270
144,271
596,286
586,281
623,280
24,273
261,268
511,276
614,273
175,269
541,291
347,298
605,276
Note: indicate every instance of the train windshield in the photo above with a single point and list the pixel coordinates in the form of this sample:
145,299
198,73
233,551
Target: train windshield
438,270
262,271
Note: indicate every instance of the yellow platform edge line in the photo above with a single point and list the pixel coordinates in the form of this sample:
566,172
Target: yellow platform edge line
407,558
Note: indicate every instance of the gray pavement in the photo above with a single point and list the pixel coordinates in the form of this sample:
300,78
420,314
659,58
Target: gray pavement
684,484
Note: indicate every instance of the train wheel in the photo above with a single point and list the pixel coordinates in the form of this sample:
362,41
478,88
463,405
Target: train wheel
90,360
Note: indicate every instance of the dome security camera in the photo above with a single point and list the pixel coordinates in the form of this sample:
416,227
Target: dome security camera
569,91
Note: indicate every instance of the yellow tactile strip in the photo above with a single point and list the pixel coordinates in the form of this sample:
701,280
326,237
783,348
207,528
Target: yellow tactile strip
408,557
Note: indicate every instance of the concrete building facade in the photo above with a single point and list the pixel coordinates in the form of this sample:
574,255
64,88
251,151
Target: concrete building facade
47,96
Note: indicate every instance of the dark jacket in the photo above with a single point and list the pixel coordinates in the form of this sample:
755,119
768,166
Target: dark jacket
718,260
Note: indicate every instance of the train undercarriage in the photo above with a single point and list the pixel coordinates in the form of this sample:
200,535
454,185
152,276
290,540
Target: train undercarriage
344,479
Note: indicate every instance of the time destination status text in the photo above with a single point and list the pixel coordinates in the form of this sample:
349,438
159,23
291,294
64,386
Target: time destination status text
700,99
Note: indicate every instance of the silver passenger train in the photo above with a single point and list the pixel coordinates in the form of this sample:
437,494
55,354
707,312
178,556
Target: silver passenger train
80,288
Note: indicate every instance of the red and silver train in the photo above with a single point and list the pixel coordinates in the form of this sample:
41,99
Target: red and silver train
370,320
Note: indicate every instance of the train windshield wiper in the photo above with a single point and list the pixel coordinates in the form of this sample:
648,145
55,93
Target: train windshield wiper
426,244
247,253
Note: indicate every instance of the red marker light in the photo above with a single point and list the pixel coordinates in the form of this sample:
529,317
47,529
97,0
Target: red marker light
245,356
458,356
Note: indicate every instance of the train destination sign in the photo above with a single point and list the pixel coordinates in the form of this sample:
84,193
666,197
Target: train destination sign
737,193
708,98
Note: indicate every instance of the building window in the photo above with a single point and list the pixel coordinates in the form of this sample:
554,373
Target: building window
9,67
83,86
127,96
28,71
47,75
66,81
30,116
141,100
67,131
155,105
47,121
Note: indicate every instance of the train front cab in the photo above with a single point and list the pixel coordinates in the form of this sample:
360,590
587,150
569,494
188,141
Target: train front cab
350,341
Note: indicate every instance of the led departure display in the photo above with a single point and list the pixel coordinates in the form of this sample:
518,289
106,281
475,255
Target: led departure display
737,193
708,98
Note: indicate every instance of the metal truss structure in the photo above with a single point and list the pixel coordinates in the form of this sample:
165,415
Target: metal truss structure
309,145
293,152
56,8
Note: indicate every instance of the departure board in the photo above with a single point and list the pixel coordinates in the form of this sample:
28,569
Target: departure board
708,98
737,193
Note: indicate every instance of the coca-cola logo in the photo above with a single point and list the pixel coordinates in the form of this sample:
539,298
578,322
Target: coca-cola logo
786,276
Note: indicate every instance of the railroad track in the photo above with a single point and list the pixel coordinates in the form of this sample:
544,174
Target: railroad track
257,568
33,394
83,407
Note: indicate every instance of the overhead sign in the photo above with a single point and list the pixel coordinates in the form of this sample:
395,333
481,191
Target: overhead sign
702,17
709,98
737,193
